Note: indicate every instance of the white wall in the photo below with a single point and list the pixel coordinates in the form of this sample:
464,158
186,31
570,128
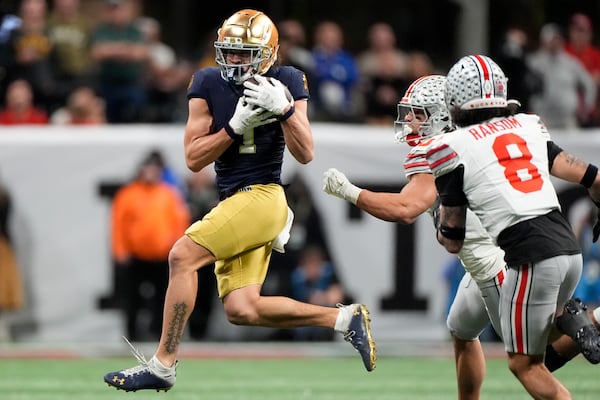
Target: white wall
61,224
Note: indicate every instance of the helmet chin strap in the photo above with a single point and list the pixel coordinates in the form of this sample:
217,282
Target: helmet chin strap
400,137
413,139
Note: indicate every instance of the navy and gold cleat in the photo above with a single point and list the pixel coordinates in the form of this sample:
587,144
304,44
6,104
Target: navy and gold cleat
359,335
576,323
146,375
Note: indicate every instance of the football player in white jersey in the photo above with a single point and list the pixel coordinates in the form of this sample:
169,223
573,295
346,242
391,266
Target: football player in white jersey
498,164
422,113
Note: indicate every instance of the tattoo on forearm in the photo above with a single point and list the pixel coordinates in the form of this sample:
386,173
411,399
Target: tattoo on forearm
176,326
573,160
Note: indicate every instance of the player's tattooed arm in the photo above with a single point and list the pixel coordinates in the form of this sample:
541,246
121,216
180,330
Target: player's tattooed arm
568,167
572,159
573,169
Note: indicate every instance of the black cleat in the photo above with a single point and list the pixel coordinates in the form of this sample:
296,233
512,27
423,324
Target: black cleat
576,323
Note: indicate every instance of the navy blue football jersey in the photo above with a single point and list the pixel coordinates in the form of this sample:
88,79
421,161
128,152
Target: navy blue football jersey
257,156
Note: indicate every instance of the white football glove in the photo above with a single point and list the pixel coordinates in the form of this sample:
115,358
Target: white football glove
247,116
336,183
270,94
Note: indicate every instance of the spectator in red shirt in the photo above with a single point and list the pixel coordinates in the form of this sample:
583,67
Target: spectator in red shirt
20,109
579,45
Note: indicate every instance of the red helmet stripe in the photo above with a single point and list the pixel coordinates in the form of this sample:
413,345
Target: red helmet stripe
411,88
485,72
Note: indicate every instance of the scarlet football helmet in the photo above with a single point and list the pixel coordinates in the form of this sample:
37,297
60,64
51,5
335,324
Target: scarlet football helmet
474,82
248,31
424,101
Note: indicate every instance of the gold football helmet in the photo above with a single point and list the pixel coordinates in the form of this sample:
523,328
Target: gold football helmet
251,35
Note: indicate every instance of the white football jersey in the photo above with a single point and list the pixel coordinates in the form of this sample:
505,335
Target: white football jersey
506,177
479,255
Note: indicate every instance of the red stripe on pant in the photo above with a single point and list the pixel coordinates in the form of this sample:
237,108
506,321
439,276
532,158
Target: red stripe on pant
520,308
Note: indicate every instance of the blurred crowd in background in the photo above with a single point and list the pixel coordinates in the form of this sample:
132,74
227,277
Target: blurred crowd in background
106,61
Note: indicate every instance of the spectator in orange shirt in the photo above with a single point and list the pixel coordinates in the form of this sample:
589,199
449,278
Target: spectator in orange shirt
148,216
20,109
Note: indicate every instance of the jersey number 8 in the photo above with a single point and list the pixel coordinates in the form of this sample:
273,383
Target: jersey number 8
513,154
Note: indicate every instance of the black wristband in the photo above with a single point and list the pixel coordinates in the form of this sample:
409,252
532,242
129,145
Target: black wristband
453,233
590,176
230,131
553,151
287,114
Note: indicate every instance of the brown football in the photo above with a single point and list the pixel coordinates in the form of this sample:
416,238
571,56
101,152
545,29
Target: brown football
253,80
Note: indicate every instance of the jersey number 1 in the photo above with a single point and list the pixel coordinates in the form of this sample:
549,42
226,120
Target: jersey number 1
247,146
513,154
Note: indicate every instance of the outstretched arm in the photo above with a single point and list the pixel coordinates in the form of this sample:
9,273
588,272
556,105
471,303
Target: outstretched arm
414,199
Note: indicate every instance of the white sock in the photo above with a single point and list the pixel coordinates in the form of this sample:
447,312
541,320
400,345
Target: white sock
343,319
596,314
160,366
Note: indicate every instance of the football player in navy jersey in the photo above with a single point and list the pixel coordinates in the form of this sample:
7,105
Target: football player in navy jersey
242,114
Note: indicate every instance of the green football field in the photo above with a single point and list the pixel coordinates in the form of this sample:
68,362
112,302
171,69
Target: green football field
337,378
